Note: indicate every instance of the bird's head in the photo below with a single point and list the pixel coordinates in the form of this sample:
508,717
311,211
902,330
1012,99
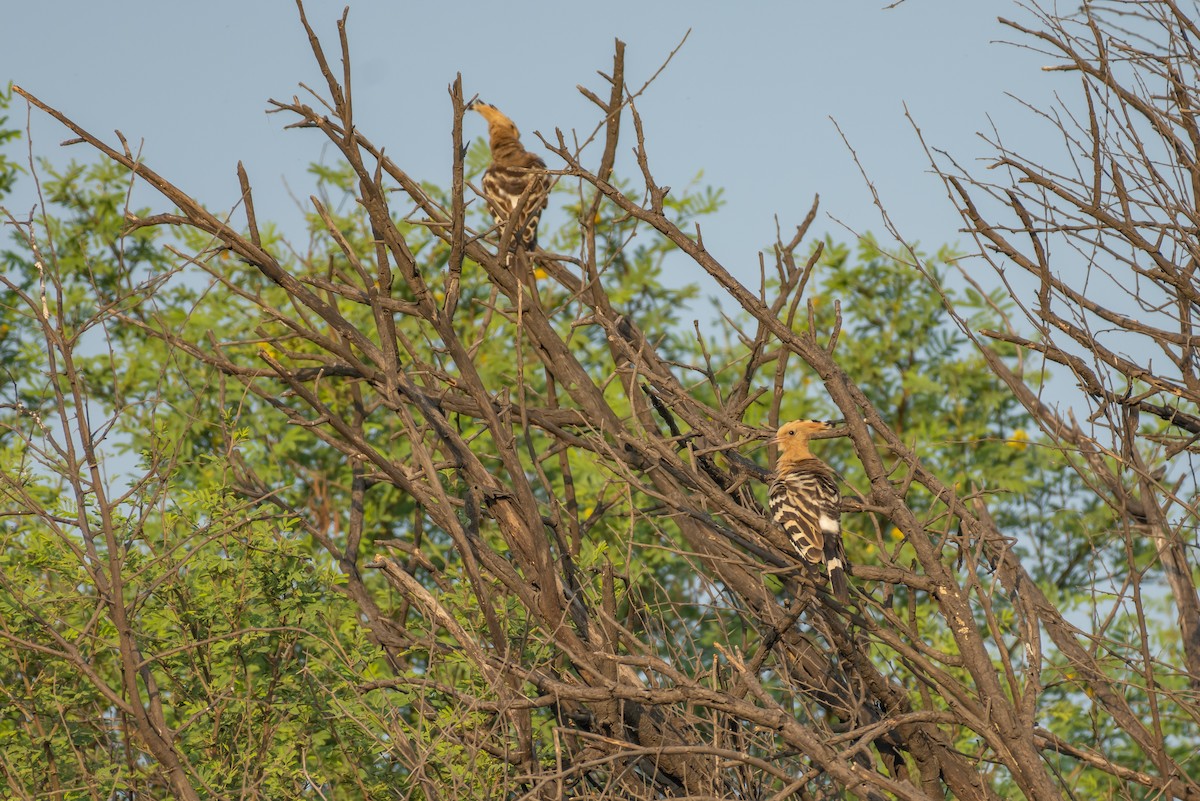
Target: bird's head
498,123
792,438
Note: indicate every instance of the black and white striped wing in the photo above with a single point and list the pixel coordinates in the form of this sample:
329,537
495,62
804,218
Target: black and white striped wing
503,185
806,505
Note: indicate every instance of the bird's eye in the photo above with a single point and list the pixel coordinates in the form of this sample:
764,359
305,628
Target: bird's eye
791,433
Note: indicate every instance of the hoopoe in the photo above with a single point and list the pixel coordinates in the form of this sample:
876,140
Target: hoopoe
806,503
514,173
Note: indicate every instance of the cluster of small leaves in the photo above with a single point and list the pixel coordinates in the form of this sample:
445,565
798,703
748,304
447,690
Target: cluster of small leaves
242,630
8,168
938,392
246,610
930,384
262,659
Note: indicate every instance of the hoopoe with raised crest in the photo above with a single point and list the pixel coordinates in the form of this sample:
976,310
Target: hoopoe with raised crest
515,178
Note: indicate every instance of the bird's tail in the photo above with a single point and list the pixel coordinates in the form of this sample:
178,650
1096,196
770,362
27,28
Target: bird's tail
837,579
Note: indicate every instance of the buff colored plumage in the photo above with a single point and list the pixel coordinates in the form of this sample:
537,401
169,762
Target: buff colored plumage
515,179
806,503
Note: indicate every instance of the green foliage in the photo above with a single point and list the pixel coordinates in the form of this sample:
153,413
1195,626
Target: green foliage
8,168
242,613
13,358
255,641
938,393
237,627
243,634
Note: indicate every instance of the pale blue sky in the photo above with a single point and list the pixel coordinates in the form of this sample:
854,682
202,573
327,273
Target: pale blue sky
748,100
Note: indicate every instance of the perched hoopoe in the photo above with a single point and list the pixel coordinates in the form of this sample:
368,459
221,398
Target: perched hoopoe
513,173
806,503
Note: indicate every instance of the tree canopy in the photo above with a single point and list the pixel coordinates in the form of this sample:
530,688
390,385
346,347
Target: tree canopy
392,514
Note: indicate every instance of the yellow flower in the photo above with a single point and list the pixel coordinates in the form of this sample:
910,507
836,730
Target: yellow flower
1018,440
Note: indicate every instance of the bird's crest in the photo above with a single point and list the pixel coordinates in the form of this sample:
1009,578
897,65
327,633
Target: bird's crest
803,429
792,438
499,124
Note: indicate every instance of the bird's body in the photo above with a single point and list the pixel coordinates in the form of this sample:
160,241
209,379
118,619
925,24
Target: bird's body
516,179
806,504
